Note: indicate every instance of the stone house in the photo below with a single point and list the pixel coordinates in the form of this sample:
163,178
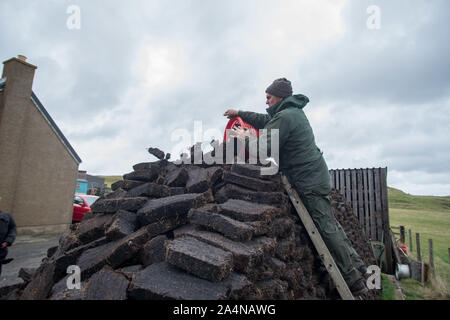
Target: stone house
38,166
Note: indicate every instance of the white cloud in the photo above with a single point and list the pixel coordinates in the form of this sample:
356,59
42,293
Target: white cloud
137,71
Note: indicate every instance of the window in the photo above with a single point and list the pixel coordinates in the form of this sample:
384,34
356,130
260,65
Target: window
78,200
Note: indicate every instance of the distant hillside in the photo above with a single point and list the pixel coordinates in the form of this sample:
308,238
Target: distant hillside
109,180
400,200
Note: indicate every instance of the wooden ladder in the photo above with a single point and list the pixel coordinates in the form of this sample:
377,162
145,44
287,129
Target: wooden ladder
318,242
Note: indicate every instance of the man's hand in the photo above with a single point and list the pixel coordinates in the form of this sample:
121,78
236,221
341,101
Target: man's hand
4,244
239,133
230,113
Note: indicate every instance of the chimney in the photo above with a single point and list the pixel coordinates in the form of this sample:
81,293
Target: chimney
15,103
19,72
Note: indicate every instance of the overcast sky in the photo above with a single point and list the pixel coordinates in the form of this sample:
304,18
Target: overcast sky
127,74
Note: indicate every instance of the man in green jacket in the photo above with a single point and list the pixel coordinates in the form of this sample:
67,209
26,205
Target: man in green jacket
303,164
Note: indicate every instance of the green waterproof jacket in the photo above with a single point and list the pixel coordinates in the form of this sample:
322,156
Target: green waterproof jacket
299,157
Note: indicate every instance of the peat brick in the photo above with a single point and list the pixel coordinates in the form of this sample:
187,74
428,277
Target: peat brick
93,260
61,292
215,175
285,248
146,175
246,255
150,189
114,205
253,171
127,247
247,211
276,267
238,285
156,152
63,260
51,251
116,194
106,285
41,284
93,228
250,183
123,224
164,281
185,230
176,191
130,271
231,191
113,253
199,258
170,207
153,251
165,224
260,228
128,184
177,177
26,274
230,228
273,289
68,241
116,185
155,165
197,180
281,227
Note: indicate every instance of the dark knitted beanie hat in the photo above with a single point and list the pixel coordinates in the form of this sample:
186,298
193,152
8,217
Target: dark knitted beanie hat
280,88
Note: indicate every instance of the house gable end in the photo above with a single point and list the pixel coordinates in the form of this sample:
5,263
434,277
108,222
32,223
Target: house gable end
54,126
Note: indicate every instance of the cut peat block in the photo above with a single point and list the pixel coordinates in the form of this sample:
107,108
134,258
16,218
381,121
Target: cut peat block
199,258
247,211
169,207
164,281
230,228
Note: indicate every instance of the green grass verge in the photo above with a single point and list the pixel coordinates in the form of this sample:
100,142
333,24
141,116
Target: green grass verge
430,217
387,288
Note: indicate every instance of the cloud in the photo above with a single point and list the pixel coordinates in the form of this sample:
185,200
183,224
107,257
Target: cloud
135,72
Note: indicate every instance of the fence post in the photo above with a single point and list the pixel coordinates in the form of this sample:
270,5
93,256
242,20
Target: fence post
402,234
449,255
410,241
419,257
430,248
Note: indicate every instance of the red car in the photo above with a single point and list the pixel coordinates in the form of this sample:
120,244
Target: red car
82,205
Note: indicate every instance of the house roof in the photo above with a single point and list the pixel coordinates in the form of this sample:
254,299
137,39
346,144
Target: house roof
52,123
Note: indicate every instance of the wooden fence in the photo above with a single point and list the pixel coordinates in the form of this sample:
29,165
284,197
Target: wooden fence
366,191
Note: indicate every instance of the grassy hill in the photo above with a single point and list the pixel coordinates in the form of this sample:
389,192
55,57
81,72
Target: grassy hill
109,180
430,217
401,200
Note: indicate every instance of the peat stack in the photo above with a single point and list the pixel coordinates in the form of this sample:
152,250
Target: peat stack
178,231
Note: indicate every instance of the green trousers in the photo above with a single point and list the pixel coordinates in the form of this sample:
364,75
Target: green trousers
348,261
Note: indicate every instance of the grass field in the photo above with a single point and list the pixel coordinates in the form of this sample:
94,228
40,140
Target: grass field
430,217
